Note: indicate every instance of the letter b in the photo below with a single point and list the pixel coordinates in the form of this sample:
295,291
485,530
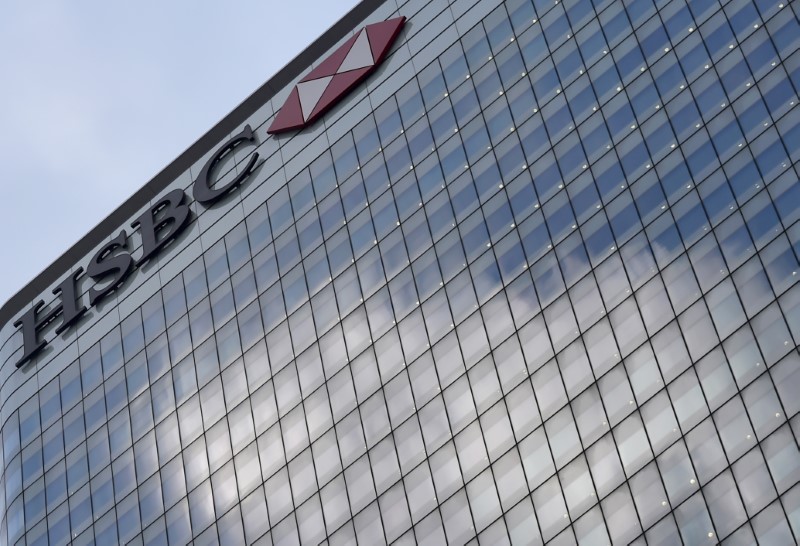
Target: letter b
162,223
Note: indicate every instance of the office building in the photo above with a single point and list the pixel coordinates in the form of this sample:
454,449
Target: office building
465,271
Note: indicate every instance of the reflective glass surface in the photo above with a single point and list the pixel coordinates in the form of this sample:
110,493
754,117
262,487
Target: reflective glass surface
547,291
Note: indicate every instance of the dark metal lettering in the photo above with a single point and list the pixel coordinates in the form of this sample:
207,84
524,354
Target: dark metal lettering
71,305
112,264
105,263
162,223
70,309
204,192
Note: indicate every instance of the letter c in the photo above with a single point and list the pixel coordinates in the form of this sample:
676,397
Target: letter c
204,192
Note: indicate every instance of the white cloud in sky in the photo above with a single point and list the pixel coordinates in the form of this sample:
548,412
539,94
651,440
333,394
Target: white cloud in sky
96,97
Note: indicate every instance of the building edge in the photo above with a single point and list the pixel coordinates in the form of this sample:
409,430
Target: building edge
151,189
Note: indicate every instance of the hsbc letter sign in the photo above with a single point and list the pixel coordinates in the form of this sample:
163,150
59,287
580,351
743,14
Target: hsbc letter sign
110,267
113,264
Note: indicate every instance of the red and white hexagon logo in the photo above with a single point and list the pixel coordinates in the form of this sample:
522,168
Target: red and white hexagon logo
345,68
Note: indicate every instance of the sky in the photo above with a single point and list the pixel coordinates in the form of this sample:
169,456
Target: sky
96,97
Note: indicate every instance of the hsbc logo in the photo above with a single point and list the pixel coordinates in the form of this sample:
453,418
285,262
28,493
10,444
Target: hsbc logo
337,75
162,223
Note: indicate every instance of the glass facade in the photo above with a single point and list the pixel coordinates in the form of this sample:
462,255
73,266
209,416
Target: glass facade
535,282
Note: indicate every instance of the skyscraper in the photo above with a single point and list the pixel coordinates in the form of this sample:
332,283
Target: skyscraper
465,271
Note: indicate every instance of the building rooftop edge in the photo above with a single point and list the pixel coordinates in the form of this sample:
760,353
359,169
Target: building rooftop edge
193,153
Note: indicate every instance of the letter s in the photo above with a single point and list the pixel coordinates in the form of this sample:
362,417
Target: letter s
106,264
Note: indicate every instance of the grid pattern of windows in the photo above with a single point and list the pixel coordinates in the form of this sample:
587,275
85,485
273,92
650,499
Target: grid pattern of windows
547,291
